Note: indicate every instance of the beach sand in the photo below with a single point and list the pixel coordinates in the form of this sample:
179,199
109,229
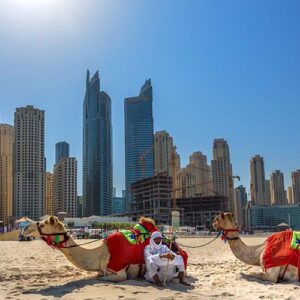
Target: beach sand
33,270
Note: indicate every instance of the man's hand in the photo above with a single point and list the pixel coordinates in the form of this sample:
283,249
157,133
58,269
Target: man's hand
169,256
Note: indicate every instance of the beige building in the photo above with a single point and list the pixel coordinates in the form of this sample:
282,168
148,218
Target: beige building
258,181
7,135
296,186
163,148
290,195
49,203
268,192
195,179
222,172
29,165
278,193
65,186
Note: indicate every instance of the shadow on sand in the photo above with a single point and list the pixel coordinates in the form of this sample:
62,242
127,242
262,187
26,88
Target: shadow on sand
75,286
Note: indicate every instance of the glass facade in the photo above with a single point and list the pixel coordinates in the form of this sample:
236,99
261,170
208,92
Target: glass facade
118,205
97,149
139,138
61,151
270,216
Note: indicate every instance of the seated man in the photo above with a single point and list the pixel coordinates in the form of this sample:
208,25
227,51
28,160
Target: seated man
161,262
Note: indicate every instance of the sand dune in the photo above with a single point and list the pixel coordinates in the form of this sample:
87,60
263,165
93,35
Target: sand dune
33,270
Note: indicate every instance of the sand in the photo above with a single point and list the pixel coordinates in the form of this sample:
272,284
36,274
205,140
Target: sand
33,270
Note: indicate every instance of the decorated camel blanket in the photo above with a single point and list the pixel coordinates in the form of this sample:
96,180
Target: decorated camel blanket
124,252
282,248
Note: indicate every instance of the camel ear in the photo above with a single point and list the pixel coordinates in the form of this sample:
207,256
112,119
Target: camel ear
52,220
222,215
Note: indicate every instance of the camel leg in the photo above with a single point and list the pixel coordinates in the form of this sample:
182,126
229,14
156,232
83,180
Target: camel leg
270,274
115,277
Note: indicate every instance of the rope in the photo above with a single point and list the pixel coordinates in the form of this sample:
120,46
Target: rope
200,245
82,244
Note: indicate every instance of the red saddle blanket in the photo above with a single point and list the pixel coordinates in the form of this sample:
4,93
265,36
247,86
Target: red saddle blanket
278,251
122,253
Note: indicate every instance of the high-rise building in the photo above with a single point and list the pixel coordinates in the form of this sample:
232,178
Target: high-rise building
163,149
97,149
61,151
290,195
7,136
268,192
29,166
195,179
65,186
118,205
139,138
296,186
222,171
240,203
258,181
278,194
49,201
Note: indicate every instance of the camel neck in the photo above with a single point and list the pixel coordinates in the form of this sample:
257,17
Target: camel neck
88,259
247,254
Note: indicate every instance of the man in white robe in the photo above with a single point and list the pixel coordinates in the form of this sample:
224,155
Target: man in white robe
161,262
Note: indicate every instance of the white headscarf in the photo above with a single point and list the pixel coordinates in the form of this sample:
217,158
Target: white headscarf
153,245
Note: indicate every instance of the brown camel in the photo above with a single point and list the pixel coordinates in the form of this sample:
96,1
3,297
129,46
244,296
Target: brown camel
96,259
252,255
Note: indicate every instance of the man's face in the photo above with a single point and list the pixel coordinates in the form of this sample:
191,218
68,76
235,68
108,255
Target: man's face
157,240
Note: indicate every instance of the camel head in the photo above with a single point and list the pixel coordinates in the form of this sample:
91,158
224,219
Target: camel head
148,223
224,221
48,226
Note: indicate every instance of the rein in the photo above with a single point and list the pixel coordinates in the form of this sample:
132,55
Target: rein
219,233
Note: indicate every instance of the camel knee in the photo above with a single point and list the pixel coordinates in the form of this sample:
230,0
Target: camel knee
115,277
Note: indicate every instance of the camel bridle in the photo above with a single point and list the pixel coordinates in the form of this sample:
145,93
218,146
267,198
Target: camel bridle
47,237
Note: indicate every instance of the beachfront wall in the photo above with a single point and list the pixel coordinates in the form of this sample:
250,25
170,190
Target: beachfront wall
268,217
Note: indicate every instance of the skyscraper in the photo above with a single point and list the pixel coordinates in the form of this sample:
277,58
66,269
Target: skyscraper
296,186
258,181
139,137
222,171
278,194
97,149
163,148
65,186
61,151
195,179
7,136
29,168
49,197
240,202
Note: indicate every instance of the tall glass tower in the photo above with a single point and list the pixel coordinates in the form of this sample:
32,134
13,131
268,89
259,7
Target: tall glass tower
61,151
97,149
139,138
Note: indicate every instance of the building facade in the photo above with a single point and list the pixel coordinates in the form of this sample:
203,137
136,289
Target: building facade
195,179
268,217
7,136
151,197
222,171
49,200
97,149
296,186
29,167
258,181
163,149
139,138
278,194
118,205
62,150
201,211
240,203
65,186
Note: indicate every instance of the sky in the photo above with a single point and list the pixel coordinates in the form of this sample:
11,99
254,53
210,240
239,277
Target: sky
219,69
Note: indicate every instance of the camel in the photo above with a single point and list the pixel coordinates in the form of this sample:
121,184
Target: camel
254,255
97,259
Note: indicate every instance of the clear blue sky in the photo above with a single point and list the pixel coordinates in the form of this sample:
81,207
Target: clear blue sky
226,69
